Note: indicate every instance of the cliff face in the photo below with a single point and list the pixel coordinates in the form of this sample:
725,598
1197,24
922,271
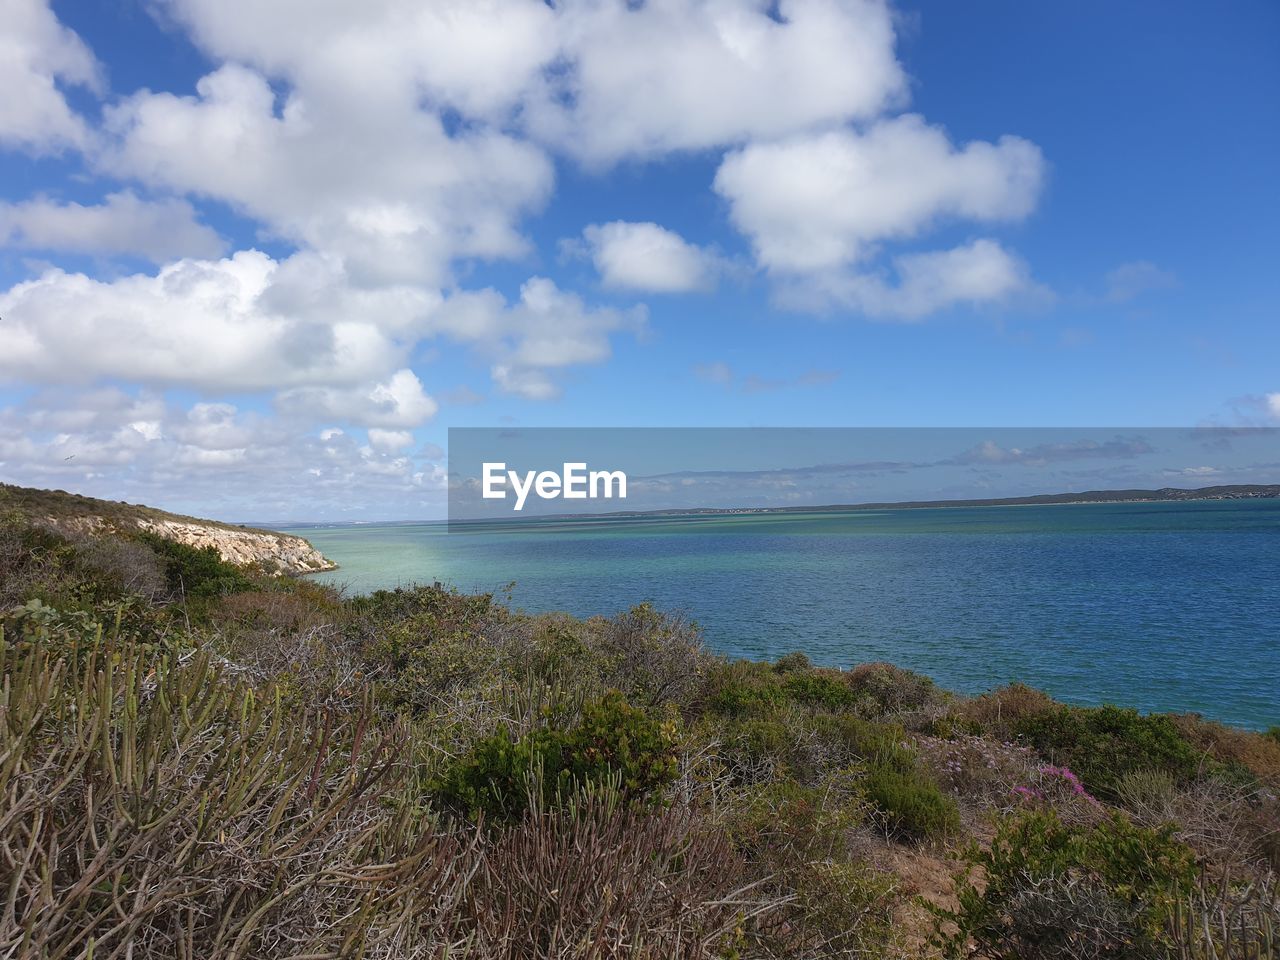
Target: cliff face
275,552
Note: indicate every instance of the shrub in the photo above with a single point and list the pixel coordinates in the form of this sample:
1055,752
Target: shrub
1103,744
977,769
742,688
197,820
1228,918
784,824
910,802
652,657
121,567
1044,888
1234,824
427,643
892,689
795,661
599,880
614,744
1000,713
795,742
844,910
196,571
1257,755
825,689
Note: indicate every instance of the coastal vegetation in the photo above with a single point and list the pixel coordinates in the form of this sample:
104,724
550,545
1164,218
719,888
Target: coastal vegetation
202,759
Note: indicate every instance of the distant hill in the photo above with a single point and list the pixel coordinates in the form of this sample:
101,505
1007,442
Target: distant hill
71,512
1238,491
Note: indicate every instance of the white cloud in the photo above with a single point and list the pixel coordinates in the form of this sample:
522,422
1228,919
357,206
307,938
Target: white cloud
978,272
392,143
36,52
547,330
477,56
647,257
399,401
823,202
246,322
599,80
160,231
390,441
381,184
1273,404
669,75
211,459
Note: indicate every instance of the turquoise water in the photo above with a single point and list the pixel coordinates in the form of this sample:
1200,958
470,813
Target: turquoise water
1162,606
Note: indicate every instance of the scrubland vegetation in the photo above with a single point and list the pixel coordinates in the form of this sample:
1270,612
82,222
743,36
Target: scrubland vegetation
200,761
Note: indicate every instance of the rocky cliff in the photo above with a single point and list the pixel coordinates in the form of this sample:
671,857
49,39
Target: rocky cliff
274,552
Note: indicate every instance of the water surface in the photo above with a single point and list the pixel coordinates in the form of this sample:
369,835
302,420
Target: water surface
1162,606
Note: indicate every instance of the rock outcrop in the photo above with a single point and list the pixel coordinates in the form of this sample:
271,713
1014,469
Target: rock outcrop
277,553
274,552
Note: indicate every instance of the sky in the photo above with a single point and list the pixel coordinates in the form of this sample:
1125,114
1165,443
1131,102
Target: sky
258,256
495,472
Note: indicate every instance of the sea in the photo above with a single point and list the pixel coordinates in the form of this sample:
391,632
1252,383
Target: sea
1162,606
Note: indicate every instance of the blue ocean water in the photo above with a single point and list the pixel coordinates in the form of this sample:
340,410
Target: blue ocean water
1161,606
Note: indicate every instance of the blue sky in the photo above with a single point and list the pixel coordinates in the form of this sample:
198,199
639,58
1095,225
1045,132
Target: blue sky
249,249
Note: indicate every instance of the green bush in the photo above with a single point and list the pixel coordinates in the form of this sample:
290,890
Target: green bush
1273,733
785,824
613,743
651,656
793,661
743,688
818,688
891,689
197,571
1048,889
912,804
1103,744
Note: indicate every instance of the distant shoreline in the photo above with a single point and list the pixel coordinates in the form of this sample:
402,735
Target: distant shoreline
1162,495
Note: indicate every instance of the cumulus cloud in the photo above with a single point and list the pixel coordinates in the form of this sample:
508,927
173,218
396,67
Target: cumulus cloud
647,257
1273,404
381,184
246,322
822,202
36,53
479,57
389,146
974,273
214,459
646,79
400,401
818,210
531,340
599,80
390,441
123,224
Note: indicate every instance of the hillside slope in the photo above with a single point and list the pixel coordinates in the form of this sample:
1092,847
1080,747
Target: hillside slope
72,513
